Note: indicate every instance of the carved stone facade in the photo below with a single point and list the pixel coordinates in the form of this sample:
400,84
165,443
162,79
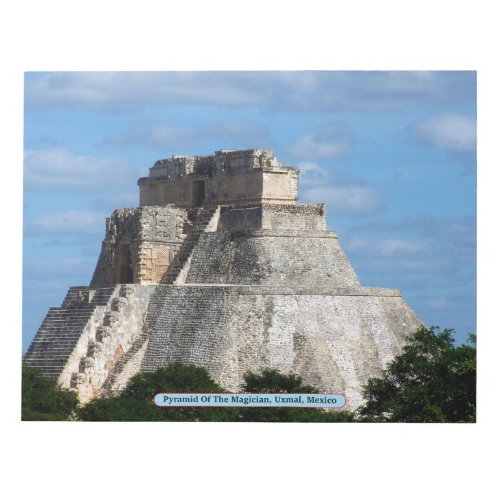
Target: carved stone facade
140,244
221,267
225,178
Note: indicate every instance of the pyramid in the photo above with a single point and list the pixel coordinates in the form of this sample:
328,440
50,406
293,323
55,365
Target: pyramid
220,266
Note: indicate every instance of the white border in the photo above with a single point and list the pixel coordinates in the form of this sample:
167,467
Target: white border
50,460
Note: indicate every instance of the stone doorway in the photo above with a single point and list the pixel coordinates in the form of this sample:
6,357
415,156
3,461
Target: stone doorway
125,271
198,193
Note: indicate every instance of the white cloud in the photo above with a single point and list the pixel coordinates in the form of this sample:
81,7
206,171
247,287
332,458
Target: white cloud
125,91
298,90
331,140
118,200
450,132
58,168
48,266
71,222
168,137
459,232
342,194
348,199
390,247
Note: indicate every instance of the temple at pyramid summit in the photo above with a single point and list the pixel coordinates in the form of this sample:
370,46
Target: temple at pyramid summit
219,266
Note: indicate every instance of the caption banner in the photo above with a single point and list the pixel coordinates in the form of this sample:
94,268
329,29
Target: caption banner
164,399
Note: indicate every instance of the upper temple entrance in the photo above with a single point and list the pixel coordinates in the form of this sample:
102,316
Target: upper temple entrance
198,193
227,177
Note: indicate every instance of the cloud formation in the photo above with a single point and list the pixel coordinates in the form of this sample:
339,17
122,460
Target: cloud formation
435,251
53,268
342,194
451,132
458,231
167,137
69,223
308,91
390,247
60,169
329,141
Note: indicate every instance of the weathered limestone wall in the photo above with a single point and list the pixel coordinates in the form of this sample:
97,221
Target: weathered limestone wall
128,366
294,217
210,165
280,187
228,188
268,216
140,244
335,339
235,187
226,178
271,257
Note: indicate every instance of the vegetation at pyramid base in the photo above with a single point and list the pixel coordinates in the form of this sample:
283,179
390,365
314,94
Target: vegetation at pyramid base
274,382
431,381
43,399
135,402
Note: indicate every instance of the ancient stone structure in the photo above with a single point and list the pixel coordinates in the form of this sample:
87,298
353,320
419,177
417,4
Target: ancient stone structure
221,267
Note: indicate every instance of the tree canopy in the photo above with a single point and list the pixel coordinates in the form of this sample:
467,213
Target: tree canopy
43,399
431,381
135,402
272,381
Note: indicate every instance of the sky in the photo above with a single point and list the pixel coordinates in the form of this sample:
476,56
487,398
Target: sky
392,154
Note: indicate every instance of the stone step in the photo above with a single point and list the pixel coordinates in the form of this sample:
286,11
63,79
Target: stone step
48,363
71,310
46,370
49,368
51,375
62,319
47,353
69,315
51,343
70,328
73,320
100,297
82,309
189,244
61,329
50,371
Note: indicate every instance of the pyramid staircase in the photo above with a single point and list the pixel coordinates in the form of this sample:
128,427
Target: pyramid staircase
62,327
206,222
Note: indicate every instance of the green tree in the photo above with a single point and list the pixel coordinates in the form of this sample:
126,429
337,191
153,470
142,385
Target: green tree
431,381
135,402
43,399
274,382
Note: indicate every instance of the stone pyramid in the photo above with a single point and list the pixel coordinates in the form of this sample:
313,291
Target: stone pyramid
219,266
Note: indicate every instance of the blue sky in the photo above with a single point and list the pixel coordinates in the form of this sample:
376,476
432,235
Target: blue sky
392,154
